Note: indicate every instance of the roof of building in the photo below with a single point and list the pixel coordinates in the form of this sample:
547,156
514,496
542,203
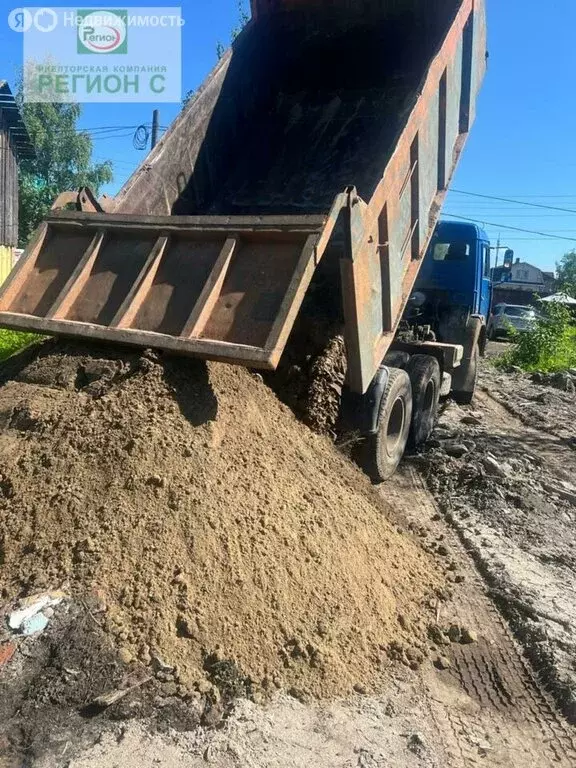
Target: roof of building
519,263
18,132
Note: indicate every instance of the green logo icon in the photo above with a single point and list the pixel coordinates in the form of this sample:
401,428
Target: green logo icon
102,31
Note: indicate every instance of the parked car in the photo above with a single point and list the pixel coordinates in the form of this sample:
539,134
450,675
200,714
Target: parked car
510,316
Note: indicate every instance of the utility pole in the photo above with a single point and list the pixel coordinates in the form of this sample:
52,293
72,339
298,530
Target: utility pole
497,252
155,127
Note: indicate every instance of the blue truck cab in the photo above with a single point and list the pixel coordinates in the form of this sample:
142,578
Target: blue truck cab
455,275
451,300
454,279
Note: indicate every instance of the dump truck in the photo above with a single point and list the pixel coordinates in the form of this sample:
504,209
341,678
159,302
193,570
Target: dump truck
308,171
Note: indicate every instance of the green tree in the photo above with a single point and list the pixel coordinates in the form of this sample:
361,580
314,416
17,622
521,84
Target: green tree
567,273
63,161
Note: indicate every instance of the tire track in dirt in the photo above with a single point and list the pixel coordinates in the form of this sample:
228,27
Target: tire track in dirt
488,706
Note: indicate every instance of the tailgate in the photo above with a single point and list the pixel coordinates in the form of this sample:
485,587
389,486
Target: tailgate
223,288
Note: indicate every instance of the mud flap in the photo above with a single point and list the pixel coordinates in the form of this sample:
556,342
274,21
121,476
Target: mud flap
359,413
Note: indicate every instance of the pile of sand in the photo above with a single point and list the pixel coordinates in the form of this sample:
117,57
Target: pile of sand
206,519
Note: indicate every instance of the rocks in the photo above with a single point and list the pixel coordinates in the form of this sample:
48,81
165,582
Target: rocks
455,633
438,635
156,481
468,636
416,744
299,694
456,450
562,380
563,493
471,421
492,466
159,665
442,662
203,686
126,656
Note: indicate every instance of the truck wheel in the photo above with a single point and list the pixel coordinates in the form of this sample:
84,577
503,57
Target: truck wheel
426,380
384,450
467,379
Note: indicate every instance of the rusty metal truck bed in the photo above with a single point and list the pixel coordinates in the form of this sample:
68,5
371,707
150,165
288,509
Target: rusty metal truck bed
325,133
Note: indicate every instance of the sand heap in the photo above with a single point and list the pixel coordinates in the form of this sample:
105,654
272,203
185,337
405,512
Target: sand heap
206,518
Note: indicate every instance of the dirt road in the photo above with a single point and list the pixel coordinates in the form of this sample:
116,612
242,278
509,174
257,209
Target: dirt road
503,472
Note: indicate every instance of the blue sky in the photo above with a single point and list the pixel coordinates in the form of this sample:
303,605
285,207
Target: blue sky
522,145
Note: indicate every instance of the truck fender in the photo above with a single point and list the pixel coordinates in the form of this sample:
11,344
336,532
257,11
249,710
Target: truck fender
359,413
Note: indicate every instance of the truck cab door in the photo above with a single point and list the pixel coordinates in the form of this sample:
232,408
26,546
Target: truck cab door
485,288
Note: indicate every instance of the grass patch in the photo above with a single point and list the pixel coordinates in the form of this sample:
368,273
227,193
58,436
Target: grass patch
549,347
14,341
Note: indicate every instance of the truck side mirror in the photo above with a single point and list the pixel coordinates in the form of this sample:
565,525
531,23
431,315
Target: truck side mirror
508,257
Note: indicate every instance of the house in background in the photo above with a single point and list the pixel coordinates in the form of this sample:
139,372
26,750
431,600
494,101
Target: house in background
520,282
14,145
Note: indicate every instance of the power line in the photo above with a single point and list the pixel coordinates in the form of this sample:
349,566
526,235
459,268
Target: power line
538,196
512,214
518,202
516,229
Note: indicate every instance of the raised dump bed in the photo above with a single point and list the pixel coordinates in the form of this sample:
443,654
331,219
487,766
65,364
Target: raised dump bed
330,130
195,285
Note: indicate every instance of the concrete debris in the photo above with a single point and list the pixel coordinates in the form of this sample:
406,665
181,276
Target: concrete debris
28,617
492,466
34,624
456,450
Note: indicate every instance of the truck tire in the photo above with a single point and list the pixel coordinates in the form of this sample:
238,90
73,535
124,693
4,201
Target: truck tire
384,450
467,379
426,379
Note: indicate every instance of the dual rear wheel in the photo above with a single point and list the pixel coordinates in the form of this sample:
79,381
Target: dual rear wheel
408,412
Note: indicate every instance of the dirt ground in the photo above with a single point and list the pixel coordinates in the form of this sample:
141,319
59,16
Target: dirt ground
489,505
202,535
485,708
503,472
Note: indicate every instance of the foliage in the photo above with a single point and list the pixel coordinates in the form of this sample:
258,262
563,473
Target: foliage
63,161
243,19
567,273
189,95
549,346
13,341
